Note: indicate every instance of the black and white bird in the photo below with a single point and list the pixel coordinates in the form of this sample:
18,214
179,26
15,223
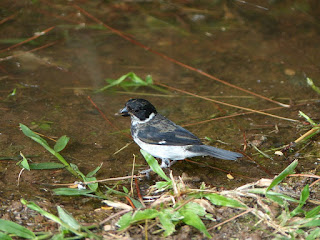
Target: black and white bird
163,138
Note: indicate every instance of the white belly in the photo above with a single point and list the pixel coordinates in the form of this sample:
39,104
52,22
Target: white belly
165,151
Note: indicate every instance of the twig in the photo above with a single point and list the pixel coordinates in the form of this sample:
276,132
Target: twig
138,192
230,219
8,18
33,50
104,116
131,182
113,216
173,60
27,40
227,104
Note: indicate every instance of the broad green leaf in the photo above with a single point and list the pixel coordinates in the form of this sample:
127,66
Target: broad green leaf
144,214
29,133
125,221
283,174
67,218
16,229
166,222
191,218
92,186
136,203
45,166
61,143
154,165
313,212
72,192
217,199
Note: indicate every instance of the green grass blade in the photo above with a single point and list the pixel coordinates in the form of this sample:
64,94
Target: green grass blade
154,165
283,174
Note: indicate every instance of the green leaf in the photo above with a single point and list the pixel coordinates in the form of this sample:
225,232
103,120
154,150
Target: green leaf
24,162
217,199
283,174
92,173
191,217
154,165
315,234
72,192
144,214
312,223
16,229
4,236
162,185
166,222
61,143
313,212
92,186
68,219
125,189
303,199
125,221
279,197
46,166
33,136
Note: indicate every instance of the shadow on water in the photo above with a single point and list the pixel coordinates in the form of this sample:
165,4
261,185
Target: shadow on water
269,50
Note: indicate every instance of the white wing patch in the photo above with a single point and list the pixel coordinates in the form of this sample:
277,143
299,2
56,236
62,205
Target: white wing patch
162,142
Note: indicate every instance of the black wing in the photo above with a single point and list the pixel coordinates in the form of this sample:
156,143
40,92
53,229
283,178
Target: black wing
162,131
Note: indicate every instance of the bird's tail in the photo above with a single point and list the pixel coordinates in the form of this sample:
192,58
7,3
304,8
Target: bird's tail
206,150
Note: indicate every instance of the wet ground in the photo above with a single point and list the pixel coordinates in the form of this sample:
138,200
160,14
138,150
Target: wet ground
267,48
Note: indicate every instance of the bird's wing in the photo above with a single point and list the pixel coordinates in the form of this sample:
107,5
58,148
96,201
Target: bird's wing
162,131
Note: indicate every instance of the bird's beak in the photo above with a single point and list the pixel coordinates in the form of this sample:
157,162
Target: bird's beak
124,112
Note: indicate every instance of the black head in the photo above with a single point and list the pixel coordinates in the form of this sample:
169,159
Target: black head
140,108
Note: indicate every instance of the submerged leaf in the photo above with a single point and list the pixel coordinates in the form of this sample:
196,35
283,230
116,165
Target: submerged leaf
61,143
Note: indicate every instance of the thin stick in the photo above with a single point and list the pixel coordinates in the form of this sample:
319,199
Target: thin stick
8,18
104,116
227,104
113,216
27,40
33,50
173,60
230,219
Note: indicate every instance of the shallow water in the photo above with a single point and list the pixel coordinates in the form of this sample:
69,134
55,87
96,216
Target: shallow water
268,48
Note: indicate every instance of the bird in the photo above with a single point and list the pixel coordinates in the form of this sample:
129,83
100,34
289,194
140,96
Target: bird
164,139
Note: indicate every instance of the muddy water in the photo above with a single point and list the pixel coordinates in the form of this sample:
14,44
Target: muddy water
267,48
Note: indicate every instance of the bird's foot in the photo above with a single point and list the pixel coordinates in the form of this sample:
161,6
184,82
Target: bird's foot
146,172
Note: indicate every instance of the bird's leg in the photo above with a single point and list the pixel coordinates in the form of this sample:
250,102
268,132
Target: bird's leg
172,162
165,163
146,172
